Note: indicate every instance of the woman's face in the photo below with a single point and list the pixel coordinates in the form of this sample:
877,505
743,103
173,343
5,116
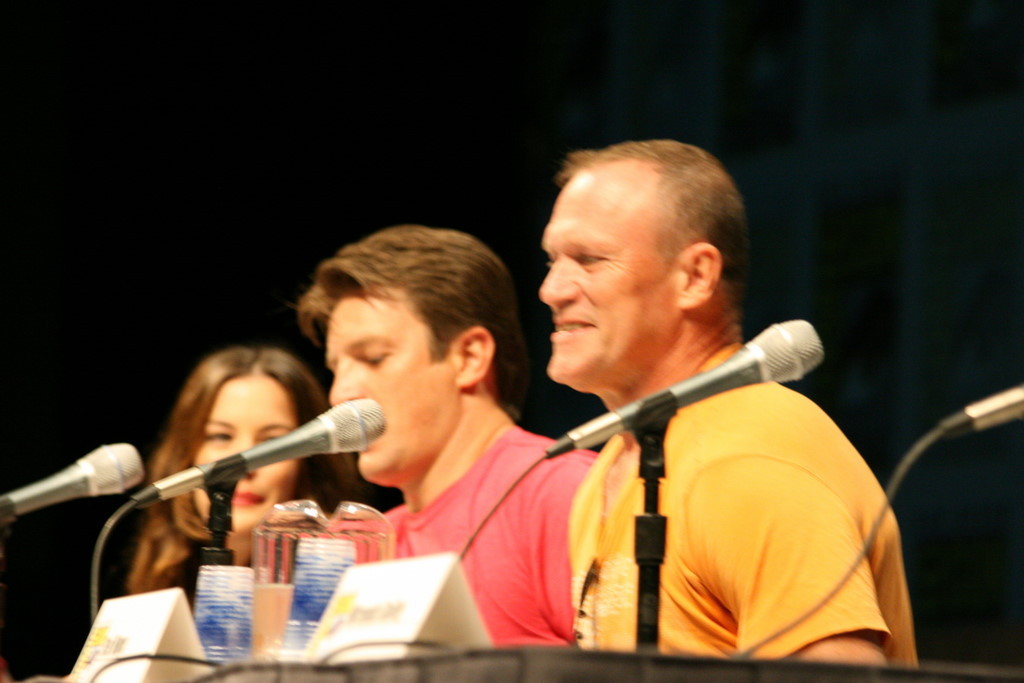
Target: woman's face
249,410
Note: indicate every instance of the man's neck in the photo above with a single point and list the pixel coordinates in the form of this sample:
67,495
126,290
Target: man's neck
693,351
694,347
479,427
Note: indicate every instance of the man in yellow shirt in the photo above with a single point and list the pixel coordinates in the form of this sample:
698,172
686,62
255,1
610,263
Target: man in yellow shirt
767,503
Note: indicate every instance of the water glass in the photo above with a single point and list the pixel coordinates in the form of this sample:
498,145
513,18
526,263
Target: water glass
275,540
223,611
319,566
370,532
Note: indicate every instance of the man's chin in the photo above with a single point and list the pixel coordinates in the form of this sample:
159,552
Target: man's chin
571,376
375,471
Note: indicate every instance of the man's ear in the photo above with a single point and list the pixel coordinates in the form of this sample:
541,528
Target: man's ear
472,352
700,265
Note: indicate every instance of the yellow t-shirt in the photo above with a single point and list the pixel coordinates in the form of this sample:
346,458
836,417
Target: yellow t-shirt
768,504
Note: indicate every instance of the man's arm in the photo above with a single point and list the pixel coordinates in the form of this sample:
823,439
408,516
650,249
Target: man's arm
789,538
858,647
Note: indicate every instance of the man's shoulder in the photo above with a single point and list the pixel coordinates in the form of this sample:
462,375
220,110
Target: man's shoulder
522,444
765,402
519,437
540,486
519,451
397,515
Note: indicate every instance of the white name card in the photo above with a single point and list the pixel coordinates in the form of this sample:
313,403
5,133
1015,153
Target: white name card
158,622
390,609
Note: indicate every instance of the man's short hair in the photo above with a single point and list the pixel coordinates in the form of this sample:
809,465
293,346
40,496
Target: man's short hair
453,281
706,202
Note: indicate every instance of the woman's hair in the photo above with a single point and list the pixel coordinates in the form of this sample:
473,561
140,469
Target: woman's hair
171,532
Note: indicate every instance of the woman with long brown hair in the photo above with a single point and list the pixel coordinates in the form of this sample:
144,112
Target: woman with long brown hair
234,399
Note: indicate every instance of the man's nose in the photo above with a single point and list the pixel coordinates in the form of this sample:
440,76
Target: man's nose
558,286
343,388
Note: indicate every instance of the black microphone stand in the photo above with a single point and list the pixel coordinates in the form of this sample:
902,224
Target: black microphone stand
219,524
649,428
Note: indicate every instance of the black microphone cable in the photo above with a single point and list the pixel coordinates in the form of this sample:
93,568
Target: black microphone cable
156,658
498,503
97,555
436,648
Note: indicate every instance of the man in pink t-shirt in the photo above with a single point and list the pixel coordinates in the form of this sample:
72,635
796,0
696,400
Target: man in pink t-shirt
425,322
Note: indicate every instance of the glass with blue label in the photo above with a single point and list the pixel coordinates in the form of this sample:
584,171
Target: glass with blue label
223,611
319,565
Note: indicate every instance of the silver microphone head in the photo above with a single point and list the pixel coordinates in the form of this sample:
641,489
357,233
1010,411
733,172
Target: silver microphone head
112,468
997,409
789,350
354,425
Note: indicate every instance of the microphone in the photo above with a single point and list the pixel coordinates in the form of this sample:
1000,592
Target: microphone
782,353
108,469
988,412
347,427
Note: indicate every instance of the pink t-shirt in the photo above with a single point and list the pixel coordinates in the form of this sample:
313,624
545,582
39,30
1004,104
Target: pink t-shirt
518,566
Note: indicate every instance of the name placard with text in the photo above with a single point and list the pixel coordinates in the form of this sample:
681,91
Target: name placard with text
391,609
158,622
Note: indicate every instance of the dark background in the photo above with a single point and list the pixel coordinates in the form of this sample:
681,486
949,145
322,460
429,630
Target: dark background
181,169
